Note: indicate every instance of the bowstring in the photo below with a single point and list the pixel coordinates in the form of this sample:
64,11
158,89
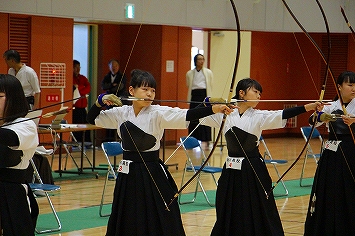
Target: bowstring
323,86
224,116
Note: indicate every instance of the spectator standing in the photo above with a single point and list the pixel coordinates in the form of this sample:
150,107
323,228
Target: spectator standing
114,82
199,83
26,75
81,83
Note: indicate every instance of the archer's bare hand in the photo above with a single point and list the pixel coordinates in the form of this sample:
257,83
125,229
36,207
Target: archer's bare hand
221,108
315,106
348,119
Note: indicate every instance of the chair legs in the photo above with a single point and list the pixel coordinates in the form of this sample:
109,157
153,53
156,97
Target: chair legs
45,188
103,197
274,163
282,182
302,172
55,216
198,183
110,175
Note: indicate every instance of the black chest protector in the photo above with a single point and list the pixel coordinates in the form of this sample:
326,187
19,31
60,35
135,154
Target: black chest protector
338,126
134,138
241,143
9,157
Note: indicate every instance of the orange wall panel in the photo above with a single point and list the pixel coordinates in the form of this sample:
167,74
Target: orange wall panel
4,38
169,80
141,48
277,63
183,65
52,42
109,44
351,53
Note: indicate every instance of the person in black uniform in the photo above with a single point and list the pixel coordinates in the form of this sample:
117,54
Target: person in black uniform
18,142
331,208
144,185
242,205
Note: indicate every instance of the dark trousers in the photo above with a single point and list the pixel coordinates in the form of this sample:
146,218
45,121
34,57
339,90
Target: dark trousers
79,117
202,133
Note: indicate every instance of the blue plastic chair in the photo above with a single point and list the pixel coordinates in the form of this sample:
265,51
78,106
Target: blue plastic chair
306,130
45,188
110,149
269,160
188,144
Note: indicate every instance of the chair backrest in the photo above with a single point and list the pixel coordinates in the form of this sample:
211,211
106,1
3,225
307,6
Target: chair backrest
190,142
267,152
112,148
306,130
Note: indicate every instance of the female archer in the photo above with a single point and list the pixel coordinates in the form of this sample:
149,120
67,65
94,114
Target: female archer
18,142
331,208
144,184
242,207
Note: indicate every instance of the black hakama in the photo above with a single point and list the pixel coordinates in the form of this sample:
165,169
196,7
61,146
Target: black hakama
140,196
241,204
334,188
202,132
13,203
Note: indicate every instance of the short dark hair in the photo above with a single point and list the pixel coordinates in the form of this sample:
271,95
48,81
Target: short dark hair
347,77
195,58
16,104
76,62
112,60
141,78
246,84
12,54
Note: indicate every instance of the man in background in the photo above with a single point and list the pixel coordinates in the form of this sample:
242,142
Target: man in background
114,81
199,83
82,84
26,75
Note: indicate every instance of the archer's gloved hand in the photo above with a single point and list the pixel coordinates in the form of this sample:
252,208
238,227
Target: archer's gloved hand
111,98
325,117
208,101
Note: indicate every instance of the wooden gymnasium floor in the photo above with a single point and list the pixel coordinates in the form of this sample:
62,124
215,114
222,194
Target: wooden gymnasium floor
78,193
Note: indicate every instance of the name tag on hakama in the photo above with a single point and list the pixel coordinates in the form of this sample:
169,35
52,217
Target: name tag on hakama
332,145
234,163
123,167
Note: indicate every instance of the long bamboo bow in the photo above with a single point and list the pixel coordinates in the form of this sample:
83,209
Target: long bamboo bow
327,59
228,100
347,22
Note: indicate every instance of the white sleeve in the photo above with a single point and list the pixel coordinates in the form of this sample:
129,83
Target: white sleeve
27,134
108,118
213,121
173,118
33,80
272,120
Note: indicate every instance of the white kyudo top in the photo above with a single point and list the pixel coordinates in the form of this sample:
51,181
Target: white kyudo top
152,119
28,137
252,121
199,81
